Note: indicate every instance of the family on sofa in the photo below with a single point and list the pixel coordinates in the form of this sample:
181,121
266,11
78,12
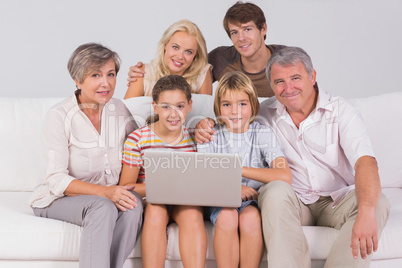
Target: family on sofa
307,156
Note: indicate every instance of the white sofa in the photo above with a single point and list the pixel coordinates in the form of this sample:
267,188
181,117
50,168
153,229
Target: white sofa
29,241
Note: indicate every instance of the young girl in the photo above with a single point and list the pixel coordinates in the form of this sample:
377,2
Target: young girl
171,101
238,236
182,50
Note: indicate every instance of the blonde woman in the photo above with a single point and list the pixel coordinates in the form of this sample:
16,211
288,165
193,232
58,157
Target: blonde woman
182,51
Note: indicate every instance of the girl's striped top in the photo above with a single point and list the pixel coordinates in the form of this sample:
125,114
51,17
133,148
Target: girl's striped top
145,139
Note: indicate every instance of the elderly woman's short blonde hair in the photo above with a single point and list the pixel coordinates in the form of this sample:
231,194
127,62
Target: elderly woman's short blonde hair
232,82
200,59
90,57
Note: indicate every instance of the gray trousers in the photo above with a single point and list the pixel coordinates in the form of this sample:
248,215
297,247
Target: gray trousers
108,234
283,215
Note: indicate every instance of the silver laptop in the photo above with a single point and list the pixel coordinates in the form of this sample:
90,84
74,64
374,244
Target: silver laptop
189,178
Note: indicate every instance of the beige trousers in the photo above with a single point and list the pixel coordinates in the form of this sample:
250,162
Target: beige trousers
283,215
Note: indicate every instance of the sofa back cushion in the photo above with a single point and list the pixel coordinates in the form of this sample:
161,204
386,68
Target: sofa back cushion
382,114
383,117
21,155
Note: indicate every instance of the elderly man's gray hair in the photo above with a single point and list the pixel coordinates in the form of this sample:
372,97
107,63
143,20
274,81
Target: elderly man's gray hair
289,56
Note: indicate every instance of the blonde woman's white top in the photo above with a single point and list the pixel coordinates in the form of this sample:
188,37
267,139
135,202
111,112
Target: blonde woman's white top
150,72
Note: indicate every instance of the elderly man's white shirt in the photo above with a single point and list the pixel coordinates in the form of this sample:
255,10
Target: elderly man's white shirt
322,152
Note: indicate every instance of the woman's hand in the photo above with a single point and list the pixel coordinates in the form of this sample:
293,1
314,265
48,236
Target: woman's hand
248,193
121,196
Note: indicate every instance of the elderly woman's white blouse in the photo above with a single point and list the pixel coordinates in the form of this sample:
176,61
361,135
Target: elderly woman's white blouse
75,150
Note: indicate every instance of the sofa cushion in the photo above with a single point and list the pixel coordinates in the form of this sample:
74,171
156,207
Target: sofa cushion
382,114
389,246
383,117
21,156
140,108
25,236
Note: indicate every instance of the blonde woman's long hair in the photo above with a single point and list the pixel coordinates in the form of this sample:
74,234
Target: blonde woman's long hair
199,62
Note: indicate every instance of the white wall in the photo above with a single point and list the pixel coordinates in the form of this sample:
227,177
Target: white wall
353,43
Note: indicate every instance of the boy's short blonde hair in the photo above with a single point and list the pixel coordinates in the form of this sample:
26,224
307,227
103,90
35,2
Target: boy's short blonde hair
236,82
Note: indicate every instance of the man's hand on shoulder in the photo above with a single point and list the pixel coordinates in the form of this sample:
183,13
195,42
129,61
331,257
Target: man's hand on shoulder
135,72
204,130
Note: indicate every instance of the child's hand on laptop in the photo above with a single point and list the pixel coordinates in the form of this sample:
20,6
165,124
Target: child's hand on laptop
248,193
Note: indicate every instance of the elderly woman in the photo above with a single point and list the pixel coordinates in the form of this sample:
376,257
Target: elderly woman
83,142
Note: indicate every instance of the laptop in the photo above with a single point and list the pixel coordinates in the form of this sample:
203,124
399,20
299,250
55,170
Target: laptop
190,178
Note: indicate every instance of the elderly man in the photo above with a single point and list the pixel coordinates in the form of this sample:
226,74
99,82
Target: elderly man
335,174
